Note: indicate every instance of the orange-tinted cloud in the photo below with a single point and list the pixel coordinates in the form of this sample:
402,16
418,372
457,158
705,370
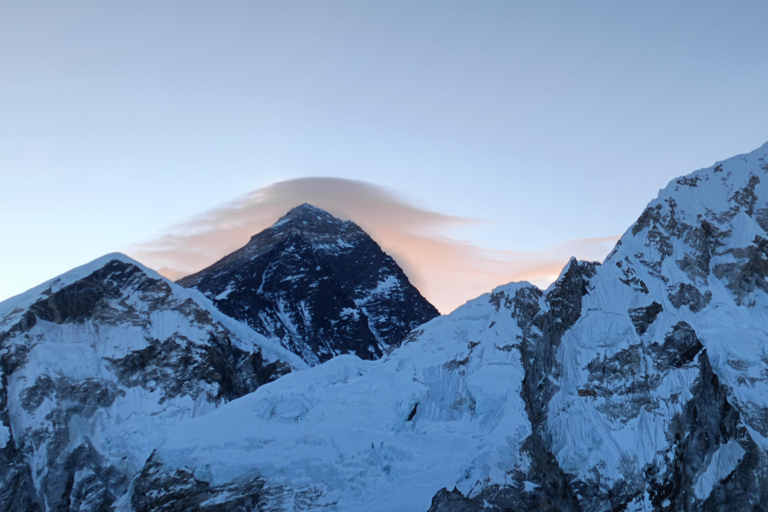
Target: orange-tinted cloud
447,271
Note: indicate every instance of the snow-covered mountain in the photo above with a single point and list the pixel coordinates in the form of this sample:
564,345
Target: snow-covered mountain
670,355
639,384
318,285
96,365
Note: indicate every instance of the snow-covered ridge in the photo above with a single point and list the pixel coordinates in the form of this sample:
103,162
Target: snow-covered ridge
97,364
12,308
681,296
347,433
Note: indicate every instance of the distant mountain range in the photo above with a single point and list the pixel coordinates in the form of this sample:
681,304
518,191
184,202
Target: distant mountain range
305,372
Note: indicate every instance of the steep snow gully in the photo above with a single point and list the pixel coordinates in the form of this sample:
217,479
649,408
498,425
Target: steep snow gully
638,384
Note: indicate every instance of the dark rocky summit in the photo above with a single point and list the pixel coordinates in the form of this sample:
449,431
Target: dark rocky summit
319,285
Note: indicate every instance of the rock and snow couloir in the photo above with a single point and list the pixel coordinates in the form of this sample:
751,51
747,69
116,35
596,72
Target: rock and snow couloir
637,384
318,285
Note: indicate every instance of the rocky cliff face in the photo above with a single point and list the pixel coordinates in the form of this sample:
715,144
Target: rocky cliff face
639,384
318,285
96,365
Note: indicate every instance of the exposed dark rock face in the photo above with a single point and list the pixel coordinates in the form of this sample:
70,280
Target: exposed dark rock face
704,242
708,429
643,317
688,295
17,491
629,277
181,491
319,285
452,501
748,273
539,355
679,348
180,368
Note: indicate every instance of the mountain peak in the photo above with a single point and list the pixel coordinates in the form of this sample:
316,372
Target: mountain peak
307,210
25,299
307,219
318,285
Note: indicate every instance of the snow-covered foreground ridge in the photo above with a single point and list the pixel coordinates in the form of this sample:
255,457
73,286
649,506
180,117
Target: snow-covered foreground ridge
96,365
637,384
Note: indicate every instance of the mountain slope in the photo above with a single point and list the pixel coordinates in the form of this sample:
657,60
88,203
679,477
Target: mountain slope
97,364
318,285
639,384
363,435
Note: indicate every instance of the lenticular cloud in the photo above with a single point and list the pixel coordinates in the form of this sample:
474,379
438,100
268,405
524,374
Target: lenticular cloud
447,271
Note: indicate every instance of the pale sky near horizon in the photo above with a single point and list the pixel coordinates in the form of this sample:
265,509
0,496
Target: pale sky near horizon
553,122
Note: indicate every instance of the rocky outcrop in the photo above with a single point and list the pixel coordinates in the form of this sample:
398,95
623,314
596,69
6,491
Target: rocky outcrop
154,491
543,485
17,491
318,285
712,462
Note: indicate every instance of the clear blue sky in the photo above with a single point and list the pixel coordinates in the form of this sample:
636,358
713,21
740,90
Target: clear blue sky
553,119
